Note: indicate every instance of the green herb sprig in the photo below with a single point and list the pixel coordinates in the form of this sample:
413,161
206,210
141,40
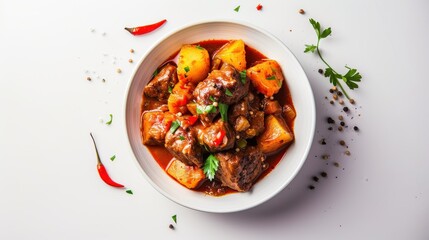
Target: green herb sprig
210,167
351,78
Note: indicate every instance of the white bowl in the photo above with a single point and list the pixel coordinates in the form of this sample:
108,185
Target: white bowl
302,97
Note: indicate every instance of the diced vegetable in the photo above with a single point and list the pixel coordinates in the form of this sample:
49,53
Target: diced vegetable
241,124
267,77
192,107
189,176
193,64
233,53
272,107
288,112
178,99
155,126
276,135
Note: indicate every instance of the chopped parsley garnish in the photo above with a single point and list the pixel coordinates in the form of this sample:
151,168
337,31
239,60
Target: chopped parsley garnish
186,69
243,76
223,109
174,217
206,109
155,73
242,143
199,47
113,157
181,137
212,99
170,89
351,78
111,119
272,77
237,8
129,191
174,126
210,167
228,93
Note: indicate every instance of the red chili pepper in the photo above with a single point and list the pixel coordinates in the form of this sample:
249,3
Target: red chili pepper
219,137
102,170
259,7
145,29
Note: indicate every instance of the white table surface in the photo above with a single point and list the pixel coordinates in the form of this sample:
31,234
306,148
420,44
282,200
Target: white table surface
50,187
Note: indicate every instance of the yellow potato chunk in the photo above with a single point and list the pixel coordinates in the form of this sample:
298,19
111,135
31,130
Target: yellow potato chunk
233,53
276,135
267,77
189,176
193,64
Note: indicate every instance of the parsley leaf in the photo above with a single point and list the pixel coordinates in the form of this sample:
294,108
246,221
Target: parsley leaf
237,8
181,137
272,77
174,126
186,69
243,76
212,99
351,78
170,89
112,157
228,93
174,217
223,109
210,167
129,191
155,73
199,47
111,119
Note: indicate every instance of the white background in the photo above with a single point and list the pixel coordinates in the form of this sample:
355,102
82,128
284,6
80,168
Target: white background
50,186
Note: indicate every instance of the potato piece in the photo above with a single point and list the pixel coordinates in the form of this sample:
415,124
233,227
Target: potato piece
233,53
266,77
272,107
289,112
190,177
276,135
179,97
193,64
155,125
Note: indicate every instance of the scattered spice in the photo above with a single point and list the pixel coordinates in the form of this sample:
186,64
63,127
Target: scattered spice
320,71
311,187
330,128
336,164
316,179
102,170
340,128
130,60
103,80
331,90
335,96
118,70
330,120
331,102
352,101
323,141
171,226
345,109
342,143
340,117
301,11
323,174
341,102
342,124
347,153
340,93
131,50
325,157
146,28
356,128
259,7
88,78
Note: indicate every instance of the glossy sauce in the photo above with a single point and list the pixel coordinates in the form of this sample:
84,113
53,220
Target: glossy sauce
163,157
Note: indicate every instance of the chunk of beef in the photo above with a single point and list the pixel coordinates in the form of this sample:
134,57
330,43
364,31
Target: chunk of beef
240,170
164,80
217,137
183,145
246,118
155,125
221,86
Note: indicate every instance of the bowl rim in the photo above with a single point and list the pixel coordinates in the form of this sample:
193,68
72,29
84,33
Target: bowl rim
312,109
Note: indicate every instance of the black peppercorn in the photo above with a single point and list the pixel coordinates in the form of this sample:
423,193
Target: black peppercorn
356,128
320,71
342,124
323,174
330,120
346,109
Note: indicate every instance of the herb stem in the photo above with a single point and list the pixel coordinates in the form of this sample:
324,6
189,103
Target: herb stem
329,66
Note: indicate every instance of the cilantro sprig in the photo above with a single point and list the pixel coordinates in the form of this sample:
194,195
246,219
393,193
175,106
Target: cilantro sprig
351,78
210,167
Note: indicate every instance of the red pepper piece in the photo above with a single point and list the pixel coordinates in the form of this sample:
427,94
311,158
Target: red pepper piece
102,170
145,29
219,137
259,7
192,120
